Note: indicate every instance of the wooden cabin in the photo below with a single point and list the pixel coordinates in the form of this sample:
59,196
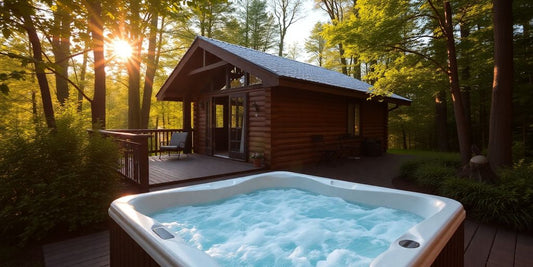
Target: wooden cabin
246,102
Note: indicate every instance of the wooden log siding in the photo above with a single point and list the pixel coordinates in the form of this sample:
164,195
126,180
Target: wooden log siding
259,123
374,116
200,119
298,114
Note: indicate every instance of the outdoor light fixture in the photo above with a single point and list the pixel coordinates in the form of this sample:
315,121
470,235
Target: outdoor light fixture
256,108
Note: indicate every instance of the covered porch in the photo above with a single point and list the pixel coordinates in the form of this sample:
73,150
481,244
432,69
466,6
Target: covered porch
144,165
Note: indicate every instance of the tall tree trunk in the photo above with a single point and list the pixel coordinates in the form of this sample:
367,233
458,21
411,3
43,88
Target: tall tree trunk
39,70
83,74
133,65
441,120
465,76
61,50
151,66
500,132
404,138
344,65
96,27
463,129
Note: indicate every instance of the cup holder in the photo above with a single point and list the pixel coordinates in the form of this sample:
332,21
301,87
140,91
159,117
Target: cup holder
406,243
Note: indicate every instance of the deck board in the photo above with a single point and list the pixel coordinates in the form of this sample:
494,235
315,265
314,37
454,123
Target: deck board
470,230
478,251
503,249
89,250
524,251
171,169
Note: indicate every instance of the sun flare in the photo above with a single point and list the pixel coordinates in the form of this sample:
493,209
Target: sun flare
122,49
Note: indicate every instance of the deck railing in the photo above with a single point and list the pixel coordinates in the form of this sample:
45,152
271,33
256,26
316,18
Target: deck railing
136,145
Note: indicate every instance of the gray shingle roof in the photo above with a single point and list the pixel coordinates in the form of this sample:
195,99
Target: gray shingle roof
289,68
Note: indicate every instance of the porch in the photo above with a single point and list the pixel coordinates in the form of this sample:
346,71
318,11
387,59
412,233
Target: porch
142,164
192,167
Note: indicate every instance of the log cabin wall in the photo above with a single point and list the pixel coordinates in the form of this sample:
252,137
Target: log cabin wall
374,118
296,116
200,125
299,114
282,120
259,123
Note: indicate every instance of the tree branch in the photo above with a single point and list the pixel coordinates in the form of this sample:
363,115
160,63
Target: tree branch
436,63
71,83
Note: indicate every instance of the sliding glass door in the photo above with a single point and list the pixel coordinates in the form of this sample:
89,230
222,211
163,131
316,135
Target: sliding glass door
237,126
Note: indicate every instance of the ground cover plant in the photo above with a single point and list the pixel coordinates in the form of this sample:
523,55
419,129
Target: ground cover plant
508,201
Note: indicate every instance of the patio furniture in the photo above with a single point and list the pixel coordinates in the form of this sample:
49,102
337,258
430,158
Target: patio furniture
177,143
327,154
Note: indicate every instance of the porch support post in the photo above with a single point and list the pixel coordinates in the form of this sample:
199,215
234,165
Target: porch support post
187,124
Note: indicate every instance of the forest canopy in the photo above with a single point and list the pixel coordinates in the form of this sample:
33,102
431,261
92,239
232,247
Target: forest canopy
105,60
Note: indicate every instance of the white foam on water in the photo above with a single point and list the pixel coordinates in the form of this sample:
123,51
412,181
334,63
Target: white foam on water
288,227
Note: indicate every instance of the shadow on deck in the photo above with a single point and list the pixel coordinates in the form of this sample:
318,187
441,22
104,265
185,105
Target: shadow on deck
171,170
485,245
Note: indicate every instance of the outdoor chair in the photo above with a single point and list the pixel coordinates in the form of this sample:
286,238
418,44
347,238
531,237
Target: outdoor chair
327,153
177,144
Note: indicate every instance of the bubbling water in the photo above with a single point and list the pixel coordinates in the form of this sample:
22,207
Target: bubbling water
288,227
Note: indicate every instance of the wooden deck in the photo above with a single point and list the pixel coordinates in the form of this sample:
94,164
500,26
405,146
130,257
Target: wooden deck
496,247
173,170
484,246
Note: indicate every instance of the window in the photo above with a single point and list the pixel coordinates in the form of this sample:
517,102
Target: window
354,119
219,119
237,78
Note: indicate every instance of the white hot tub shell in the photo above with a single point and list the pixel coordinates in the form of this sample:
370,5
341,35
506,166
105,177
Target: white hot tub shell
137,239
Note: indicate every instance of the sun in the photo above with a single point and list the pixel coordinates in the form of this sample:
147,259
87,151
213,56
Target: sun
121,49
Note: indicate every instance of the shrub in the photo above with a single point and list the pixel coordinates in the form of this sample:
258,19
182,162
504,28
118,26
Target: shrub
430,168
510,202
433,174
55,179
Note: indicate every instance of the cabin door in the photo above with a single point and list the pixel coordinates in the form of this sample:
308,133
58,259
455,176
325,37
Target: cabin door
237,126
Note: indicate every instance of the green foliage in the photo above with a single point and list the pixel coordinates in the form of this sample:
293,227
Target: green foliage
55,179
431,169
510,202
433,174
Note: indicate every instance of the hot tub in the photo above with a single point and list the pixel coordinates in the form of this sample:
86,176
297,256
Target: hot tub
139,240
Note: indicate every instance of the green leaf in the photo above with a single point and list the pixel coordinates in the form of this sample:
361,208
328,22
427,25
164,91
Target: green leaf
4,88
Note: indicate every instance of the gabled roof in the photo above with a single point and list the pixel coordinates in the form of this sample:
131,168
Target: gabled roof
278,69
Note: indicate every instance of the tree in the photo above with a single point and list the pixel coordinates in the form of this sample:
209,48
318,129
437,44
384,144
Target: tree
463,128
96,28
287,12
151,63
404,27
336,10
61,33
316,44
209,16
257,26
500,133
20,15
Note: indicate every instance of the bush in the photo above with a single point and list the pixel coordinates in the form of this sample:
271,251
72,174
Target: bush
430,168
433,174
509,202
55,179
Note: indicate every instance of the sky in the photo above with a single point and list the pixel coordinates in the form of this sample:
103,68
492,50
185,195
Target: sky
299,31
